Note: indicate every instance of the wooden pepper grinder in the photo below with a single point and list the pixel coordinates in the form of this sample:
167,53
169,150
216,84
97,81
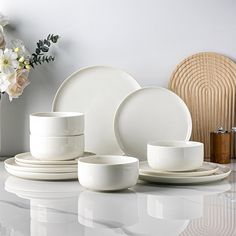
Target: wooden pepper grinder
220,146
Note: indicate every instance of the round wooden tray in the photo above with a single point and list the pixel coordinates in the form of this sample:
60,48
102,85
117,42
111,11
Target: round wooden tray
207,83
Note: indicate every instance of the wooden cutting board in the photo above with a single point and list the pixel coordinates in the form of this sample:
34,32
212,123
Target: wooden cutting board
207,83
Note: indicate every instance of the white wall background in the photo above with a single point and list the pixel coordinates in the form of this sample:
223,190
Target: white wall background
147,38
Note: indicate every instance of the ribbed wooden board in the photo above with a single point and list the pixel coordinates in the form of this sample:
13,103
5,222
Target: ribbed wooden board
207,83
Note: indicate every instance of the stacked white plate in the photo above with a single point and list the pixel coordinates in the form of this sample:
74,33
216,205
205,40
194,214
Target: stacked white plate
209,172
25,166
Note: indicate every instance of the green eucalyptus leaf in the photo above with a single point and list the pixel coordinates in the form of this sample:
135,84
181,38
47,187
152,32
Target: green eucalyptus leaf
45,49
37,50
55,38
40,43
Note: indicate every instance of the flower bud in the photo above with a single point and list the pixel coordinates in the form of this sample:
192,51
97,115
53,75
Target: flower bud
16,49
21,59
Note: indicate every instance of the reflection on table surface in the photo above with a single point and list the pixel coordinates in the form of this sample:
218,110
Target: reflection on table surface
41,208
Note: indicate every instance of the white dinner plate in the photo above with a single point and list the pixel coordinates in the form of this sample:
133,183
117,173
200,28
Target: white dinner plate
151,114
97,92
222,173
206,169
27,158
42,176
11,164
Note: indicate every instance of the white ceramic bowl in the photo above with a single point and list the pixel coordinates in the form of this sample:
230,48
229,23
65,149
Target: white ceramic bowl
175,155
56,148
57,123
108,173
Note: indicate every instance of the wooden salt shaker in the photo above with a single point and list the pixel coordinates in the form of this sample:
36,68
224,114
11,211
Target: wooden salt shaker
220,146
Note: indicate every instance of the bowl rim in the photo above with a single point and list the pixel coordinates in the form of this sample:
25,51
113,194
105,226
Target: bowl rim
166,144
56,115
130,160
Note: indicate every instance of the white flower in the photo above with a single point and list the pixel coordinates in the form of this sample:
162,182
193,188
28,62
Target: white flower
8,62
4,82
20,48
4,20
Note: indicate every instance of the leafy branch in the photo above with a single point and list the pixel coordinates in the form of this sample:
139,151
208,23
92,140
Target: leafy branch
43,47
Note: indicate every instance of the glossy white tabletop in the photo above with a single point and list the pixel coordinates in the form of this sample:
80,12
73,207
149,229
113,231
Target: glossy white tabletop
64,208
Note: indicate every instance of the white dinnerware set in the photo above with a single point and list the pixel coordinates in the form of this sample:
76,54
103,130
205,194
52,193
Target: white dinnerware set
135,132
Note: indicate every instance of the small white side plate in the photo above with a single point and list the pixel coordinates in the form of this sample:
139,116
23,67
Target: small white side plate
43,165
206,169
222,173
11,164
29,159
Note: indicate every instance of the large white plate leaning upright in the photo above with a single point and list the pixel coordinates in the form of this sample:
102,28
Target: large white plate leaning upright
97,92
151,114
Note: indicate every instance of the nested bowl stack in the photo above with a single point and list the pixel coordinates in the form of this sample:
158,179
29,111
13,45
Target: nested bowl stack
57,135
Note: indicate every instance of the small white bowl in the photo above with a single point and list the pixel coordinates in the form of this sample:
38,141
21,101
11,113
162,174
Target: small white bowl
107,172
57,148
175,155
56,123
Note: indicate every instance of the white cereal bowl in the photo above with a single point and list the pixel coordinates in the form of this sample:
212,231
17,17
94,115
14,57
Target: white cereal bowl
175,155
57,148
56,123
107,172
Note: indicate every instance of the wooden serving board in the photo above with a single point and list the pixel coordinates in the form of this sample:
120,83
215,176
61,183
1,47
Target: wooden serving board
207,83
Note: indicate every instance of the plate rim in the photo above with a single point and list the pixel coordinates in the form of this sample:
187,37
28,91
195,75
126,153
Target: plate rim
172,173
10,163
71,76
47,176
23,164
43,162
